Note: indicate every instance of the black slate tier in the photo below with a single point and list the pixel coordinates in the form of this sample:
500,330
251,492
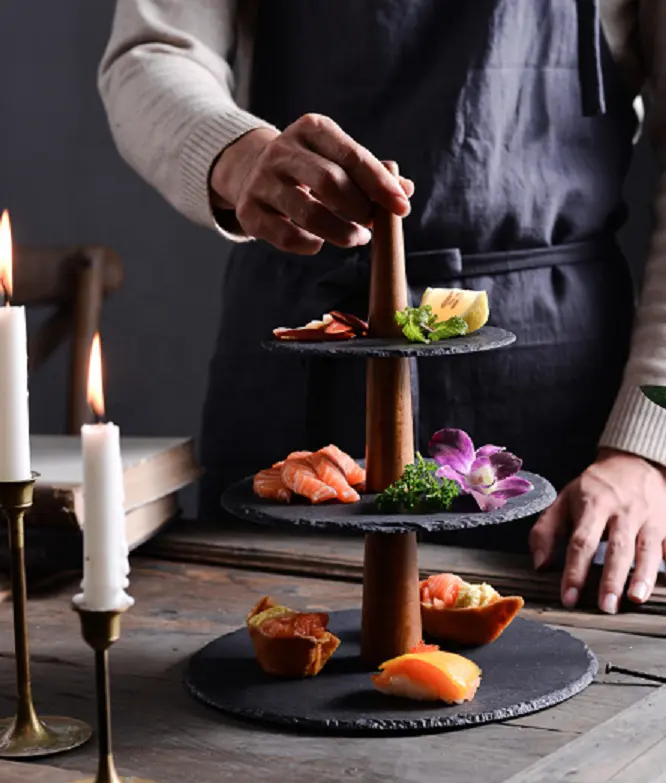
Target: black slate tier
529,668
486,339
241,501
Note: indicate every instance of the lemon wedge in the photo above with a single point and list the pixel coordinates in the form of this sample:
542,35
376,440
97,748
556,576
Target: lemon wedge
471,306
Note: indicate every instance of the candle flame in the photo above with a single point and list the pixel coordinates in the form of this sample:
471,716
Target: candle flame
95,381
6,271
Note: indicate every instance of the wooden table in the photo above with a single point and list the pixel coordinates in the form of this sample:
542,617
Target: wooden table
161,733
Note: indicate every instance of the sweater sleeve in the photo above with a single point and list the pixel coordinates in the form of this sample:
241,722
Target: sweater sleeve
167,85
635,424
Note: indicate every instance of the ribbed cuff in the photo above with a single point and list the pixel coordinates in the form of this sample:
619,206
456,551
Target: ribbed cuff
636,425
209,139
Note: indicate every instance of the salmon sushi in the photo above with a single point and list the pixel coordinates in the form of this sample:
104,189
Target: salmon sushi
352,471
268,484
329,472
299,475
429,676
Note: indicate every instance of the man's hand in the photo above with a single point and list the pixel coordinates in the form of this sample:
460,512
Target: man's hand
310,184
619,493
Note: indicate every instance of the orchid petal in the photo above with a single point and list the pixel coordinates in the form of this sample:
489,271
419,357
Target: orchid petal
512,487
449,473
487,502
488,450
481,473
453,448
505,464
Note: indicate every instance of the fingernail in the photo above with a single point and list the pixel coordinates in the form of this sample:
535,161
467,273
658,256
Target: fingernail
639,591
539,558
364,236
609,603
570,597
406,205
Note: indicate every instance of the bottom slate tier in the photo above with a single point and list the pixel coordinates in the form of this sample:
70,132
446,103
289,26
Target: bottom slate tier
529,668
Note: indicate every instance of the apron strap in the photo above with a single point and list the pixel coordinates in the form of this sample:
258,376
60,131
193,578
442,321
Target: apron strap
589,58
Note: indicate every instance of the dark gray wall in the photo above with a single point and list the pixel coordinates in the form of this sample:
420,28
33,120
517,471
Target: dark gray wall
63,181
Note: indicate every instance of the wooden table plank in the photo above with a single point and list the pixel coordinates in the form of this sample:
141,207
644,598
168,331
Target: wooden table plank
629,747
341,557
161,733
14,772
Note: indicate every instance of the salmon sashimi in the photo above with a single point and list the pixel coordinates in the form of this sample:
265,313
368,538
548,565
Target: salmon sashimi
441,590
299,475
293,455
329,472
268,484
429,676
353,472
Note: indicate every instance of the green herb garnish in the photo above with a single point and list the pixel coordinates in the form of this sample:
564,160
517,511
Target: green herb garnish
420,325
418,491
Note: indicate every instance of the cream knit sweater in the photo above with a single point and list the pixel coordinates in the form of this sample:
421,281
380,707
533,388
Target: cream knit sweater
174,103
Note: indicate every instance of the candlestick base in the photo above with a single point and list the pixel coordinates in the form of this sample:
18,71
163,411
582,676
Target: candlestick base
43,737
115,780
26,735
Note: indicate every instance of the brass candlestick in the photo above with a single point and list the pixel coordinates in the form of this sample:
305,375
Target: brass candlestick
100,630
25,735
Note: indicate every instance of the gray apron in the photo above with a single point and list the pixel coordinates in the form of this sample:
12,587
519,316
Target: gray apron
512,121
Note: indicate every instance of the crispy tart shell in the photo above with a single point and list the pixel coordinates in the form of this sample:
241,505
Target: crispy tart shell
474,625
294,656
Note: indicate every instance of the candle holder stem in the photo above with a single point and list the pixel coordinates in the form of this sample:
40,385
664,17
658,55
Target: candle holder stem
100,631
25,735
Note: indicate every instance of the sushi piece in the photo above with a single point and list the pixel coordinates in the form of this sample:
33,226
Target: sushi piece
353,472
268,484
432,675
329,472
465,613
299,475
288,643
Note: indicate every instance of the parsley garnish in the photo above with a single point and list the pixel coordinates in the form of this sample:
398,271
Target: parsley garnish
419,325
418,491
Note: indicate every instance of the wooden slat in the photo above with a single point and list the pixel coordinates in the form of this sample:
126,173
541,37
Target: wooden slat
13,772
628,748
341,557
162,734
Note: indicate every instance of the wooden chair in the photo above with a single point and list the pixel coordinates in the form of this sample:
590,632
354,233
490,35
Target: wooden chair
75,281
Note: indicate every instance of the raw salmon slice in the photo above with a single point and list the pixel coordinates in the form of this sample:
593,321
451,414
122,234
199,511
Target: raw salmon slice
352,471
430,676
330,474
268,484
442,588
300,476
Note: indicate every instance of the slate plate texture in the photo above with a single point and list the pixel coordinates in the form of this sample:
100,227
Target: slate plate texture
529,668
241,501
486,339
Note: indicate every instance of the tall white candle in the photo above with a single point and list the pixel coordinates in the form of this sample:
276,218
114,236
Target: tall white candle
105,562
14,418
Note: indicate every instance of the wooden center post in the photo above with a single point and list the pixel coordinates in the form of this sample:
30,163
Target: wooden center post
391,623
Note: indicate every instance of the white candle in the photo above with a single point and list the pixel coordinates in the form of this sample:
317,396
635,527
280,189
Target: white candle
14,418
105,554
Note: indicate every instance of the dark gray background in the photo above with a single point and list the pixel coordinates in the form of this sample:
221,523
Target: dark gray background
63,182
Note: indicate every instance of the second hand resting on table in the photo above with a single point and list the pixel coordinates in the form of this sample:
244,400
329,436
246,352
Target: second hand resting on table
313,184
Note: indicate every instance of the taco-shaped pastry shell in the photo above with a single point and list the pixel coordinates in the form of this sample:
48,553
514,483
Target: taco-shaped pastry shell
288,643
473,625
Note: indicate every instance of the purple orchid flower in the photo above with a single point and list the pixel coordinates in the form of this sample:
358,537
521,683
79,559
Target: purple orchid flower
487,474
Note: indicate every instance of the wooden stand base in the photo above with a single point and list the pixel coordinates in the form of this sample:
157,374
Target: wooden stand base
391,623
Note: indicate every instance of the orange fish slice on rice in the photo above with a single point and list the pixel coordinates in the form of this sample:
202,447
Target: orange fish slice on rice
429,676
268,484
299,475
352,471
329,472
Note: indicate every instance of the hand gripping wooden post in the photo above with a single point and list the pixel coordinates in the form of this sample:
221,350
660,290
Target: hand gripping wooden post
391,622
